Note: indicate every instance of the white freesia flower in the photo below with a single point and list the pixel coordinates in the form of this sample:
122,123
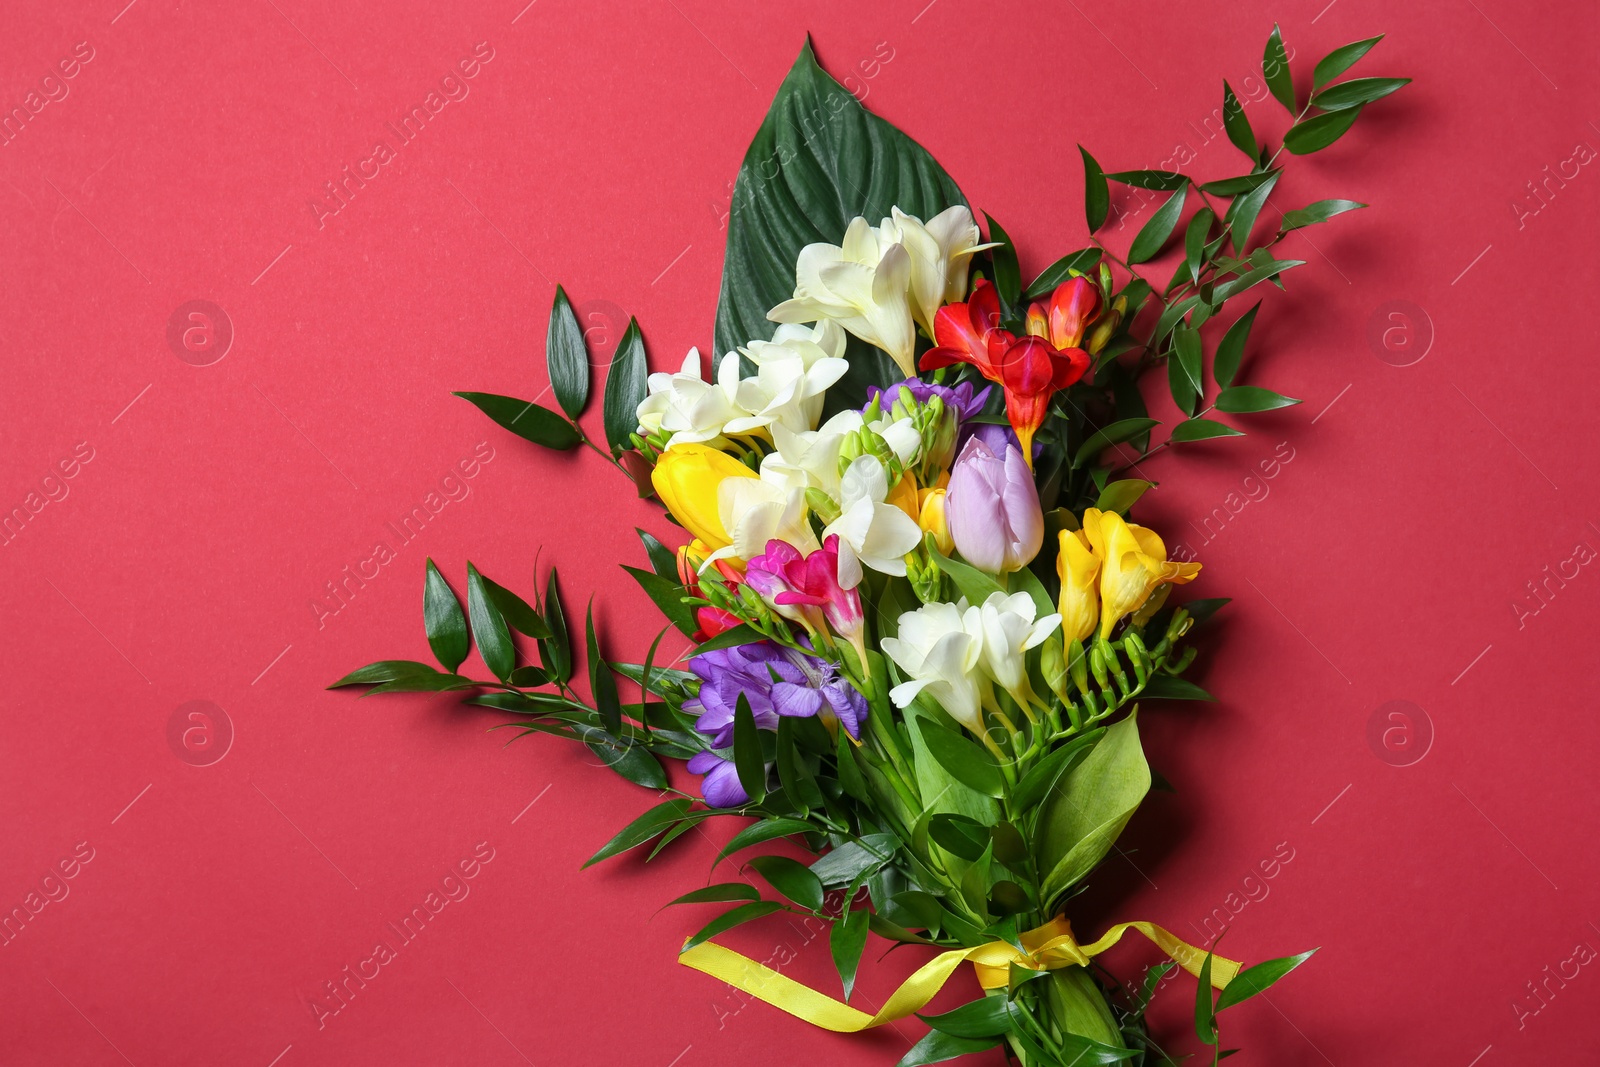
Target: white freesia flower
756,510
793,370
870,531
941,251
939,648
863,285
1009,631
810,459
687,406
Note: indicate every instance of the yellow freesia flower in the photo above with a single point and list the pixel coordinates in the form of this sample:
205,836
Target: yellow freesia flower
1133,565
931,517
1078,568
686,479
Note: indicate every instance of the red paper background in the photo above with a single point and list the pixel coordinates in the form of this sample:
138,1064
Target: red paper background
1382,562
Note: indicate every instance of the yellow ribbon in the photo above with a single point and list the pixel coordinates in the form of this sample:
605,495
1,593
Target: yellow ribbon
1050,947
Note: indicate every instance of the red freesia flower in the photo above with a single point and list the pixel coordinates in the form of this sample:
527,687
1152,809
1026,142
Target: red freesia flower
1030,368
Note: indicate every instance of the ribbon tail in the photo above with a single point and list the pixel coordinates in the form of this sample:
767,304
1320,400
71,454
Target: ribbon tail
1182,953
819,1009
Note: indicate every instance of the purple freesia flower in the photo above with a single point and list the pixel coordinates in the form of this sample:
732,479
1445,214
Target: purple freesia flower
774,681
720,787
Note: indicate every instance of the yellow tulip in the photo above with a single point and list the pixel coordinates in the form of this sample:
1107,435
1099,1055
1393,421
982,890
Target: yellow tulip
1134,564
686,478
1078,567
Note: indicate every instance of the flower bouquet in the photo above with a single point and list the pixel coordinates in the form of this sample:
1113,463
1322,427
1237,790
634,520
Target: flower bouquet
923,618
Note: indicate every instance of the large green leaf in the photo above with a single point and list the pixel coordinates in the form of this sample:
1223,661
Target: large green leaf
489,627
530,421
1085,813
818,160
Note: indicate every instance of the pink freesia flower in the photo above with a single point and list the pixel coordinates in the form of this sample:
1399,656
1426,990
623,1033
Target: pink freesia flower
807,590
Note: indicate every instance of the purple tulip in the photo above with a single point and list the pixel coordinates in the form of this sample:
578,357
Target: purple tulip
992,508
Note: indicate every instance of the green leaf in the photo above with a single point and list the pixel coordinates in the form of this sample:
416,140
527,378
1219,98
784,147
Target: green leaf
1161,181
489,628
1252,980
1241,399
791,878
1082,818
646,826
984,1017
1275,69
527,420
1170,317
627,757
1242,184
662,559
1251,278
818,160
1357,92
602,683
731,918
1201,610
1121,495
1244,211
937,1046
1340,60
1096,195
566,357
1194,241
1231,348
1315,134
386,670
760,833
1205,1016
1154,234
849,861
1084,261
555,652
422,683
847,940
959,835
668,596
1201,430
530,676
516,611
1171,687
1007,275
625,388
747,757
720,892
1321,211
442,619
1237,124
1183,369
965,761
1043,775
1116,433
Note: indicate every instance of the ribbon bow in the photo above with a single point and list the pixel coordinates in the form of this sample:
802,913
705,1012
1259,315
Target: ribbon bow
1048,948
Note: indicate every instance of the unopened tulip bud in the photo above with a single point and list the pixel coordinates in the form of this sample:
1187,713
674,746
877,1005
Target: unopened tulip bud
993,509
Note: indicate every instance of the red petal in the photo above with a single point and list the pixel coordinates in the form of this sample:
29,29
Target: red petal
1028,367
1072,306
1070,365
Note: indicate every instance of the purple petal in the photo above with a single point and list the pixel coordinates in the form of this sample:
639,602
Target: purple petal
721,788
796,700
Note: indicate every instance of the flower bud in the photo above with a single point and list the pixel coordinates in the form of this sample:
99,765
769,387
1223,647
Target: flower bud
931,516
992,508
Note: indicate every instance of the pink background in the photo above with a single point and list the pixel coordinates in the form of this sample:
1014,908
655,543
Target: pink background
1383,562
